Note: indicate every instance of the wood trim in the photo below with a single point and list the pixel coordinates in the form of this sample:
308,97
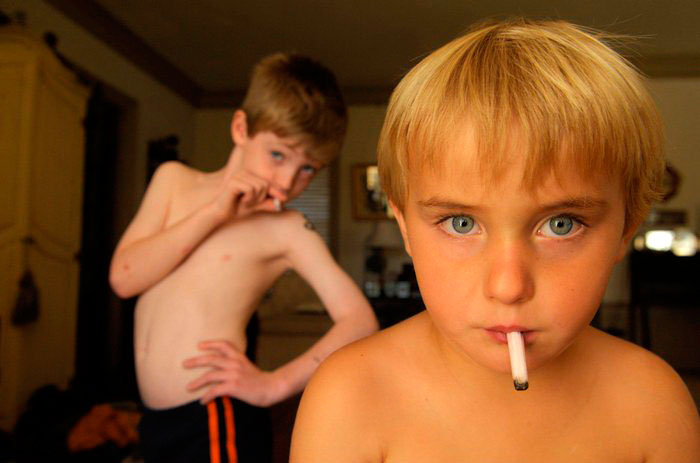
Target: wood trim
225,99
352,95
100,23
659,66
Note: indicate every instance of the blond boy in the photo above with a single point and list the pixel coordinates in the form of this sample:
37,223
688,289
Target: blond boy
204,247
519,159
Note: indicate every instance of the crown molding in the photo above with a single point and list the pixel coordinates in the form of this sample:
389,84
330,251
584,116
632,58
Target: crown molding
100,23
669,66
352,96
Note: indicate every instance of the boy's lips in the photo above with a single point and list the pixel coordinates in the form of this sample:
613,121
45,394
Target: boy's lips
498,333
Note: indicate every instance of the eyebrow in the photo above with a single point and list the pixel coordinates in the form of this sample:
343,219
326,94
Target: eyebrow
581,203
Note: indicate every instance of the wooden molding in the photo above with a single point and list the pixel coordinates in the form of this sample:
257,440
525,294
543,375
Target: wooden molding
669,65
225,99
100,23
352,95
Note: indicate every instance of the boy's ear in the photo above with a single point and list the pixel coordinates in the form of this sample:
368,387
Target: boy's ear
625,242
402,226
239,127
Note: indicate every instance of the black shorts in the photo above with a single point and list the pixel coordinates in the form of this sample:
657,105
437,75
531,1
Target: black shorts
196,433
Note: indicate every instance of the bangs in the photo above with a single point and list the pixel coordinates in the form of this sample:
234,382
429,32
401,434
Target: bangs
565,96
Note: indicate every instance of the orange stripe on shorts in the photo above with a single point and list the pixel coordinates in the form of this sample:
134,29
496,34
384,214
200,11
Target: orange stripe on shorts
214,452
230,431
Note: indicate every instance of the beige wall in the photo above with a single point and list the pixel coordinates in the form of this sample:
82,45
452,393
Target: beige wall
212,138
156,111
679,101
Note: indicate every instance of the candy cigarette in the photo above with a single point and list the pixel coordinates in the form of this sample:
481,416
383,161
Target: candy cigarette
277,203
516,349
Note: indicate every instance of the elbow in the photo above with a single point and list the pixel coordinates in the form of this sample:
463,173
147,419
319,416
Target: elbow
372,325
366,324
119,283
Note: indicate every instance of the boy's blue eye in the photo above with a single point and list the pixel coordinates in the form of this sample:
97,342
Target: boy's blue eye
309,169
277,155
560,225
462,224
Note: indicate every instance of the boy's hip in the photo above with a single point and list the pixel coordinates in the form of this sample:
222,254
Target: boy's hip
225,430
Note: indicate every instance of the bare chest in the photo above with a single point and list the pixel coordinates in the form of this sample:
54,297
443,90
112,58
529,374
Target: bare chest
430,429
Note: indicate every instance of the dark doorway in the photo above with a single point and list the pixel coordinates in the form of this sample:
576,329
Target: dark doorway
104,352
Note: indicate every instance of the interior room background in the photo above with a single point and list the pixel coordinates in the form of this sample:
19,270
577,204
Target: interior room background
151,110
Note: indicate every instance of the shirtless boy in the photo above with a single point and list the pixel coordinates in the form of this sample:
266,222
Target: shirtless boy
519,159
204,247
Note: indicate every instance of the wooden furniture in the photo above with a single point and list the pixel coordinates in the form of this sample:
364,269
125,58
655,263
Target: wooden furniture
661,279
392,310
41,162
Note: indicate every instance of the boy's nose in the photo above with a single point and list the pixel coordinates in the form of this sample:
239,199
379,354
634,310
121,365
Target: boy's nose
509,280
283,182
284,179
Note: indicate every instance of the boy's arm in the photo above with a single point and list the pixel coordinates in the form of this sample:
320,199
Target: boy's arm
148,251
234,375
350,311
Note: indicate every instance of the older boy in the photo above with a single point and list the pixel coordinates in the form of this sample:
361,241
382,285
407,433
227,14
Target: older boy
519,160
204,247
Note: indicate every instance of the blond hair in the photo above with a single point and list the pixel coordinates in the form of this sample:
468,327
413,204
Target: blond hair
574,100
294,96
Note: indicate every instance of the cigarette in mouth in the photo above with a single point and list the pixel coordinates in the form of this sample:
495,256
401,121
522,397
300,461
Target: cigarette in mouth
516,349
277,203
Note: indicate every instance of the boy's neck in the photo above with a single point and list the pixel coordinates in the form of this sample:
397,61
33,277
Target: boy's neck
234,162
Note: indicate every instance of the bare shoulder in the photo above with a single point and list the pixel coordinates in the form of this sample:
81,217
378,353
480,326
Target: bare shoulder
629,364
350,397
170,177
292,230
294,222
365,372
288,221
378,355
173,171
649,395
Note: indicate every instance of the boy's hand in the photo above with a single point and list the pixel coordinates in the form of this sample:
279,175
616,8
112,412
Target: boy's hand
243,193
231,373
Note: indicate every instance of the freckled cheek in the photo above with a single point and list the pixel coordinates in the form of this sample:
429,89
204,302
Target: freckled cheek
448,277
571,295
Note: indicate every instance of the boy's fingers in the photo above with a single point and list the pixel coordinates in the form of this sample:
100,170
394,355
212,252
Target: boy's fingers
217,361
270,205
216,376
225,347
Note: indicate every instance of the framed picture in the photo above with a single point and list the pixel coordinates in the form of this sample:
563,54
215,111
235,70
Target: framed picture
368,200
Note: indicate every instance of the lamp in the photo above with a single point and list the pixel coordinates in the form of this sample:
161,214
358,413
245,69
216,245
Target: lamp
384,236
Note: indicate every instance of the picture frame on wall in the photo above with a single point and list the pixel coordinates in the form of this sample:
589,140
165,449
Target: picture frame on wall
369,202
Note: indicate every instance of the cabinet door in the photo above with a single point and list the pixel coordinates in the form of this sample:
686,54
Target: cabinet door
55,217
42,141
17,80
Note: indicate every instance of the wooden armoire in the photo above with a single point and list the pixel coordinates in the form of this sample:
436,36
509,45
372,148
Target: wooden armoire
42,106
